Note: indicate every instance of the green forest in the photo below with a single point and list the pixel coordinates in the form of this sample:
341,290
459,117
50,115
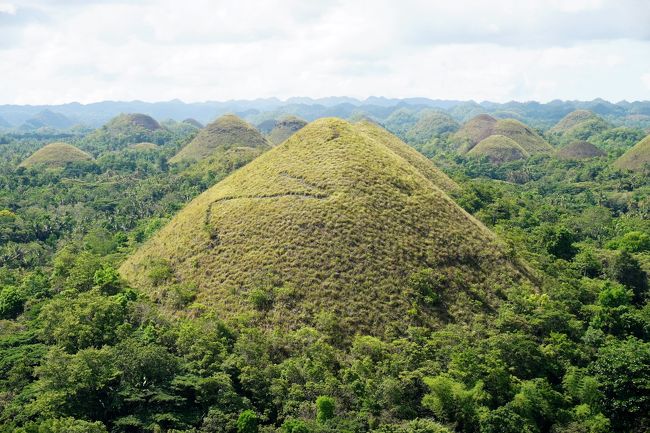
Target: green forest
415,271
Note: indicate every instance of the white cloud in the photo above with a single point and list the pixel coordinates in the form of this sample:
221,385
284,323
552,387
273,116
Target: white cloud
206,50
7,8
645,78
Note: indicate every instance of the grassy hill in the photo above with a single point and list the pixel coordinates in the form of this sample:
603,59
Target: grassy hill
483,126
431,124
473,131
499,149
579,125
285,128
144,146
193,122
226,132
125,122
579,150
636,158
335,222
56,155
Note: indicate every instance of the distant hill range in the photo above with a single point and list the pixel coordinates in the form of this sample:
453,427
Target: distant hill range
256,111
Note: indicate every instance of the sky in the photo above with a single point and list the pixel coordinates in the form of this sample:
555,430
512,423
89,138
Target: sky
58,51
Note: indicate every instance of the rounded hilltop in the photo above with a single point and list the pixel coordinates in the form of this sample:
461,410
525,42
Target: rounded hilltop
225,133
285,128
431,124
341,218
56,155
498,149
193,122
132,120
482,126
636,158
578,150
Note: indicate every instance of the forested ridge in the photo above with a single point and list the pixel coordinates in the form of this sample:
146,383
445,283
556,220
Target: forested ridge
83,350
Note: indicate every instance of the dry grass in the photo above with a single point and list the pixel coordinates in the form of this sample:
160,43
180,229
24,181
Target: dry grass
578,150
225,133
285,128
499,149
473,131
334,220
636,158
56,155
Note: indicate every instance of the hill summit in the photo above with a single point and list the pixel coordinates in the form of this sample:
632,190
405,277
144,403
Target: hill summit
338,220
635,158
226,133
284,128
482,126
499,149
579,150
56,155
128,121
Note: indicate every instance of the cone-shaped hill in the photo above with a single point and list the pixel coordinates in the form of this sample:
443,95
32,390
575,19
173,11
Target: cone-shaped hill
336,221
56,155
125,122
483,126
579,125
579,150
571,120
473,131
193,122
430,125
499,149
635,158
226,133
285,128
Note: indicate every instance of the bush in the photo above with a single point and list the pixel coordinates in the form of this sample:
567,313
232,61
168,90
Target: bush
428,285
11,302
160,272
262,299
247,422
324,408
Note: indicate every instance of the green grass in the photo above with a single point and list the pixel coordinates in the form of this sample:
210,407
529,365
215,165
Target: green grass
56,155
499,149
336,220
225,133
572,120
285,128
636,158
579,150
430,125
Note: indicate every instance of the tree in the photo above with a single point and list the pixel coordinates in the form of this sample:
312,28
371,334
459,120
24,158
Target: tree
324,408
626,270
11,302
247,422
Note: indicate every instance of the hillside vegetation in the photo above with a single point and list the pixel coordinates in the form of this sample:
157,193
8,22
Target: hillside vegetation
637,158
227,132
430,125
285,128
332,221
56,155
498,149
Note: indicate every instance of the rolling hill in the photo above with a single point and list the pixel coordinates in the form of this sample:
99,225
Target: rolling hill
337,220
579,150
483,126
431,124
55,155
636,158
193,122
498,149
579,125
285,128
225,133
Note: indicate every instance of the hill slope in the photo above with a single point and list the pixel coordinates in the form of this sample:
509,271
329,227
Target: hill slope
523,135
636,157
579,150
332,221
430,125
225,133
285,128
499,149
56,155
473,131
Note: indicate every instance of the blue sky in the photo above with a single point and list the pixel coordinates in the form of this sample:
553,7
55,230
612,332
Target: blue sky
55,51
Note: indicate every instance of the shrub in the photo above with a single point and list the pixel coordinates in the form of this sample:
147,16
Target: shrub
324,408
160,272
247,422
11,302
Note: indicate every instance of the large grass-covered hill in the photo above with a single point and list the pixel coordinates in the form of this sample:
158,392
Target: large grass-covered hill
226,133
341,219
56,155
498,149
636,158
